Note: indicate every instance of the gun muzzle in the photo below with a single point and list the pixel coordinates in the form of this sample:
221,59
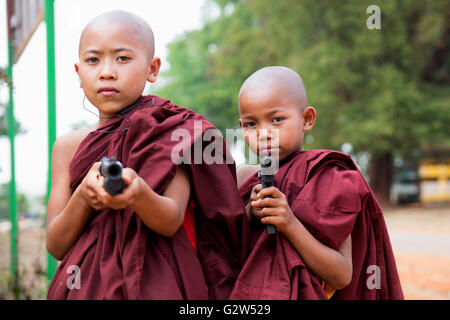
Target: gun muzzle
111,169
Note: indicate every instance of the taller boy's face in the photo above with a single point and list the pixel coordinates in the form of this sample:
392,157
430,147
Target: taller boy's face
114,66
271,120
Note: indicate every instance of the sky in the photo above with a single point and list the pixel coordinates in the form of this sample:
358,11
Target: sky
168,18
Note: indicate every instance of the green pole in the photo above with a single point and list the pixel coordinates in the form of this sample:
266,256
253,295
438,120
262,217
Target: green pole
12,183
51,96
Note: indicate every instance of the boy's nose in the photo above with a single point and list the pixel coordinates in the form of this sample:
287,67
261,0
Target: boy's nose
264,137
108,72
264,134
269,136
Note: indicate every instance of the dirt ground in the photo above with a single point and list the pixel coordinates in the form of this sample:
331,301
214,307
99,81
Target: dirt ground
420,239
32,265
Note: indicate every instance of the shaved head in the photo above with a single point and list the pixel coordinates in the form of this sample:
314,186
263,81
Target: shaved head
134,23
285,81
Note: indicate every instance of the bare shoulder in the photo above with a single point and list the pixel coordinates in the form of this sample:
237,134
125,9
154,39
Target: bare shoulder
66,145
63,151
245,171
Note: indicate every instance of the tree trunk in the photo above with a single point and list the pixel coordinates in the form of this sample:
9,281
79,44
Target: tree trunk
380,175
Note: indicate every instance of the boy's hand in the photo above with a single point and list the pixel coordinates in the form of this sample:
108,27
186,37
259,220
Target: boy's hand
90,186
252,211
128,195
275,210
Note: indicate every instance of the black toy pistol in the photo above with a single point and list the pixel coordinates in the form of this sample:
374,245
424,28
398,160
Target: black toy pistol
266,175
111,169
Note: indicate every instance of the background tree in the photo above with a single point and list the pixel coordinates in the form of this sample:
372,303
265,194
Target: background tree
5,81
23,203
385,91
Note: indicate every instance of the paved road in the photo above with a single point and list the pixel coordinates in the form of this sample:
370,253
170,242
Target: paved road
415,242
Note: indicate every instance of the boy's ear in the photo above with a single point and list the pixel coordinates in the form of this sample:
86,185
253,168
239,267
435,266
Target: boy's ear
309,118
155,65
240,123
77,68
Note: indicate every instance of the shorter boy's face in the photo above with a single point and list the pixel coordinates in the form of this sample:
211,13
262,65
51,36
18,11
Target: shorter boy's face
114,67
270,120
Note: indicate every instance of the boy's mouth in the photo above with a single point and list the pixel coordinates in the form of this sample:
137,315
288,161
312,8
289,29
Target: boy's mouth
107,91
268,150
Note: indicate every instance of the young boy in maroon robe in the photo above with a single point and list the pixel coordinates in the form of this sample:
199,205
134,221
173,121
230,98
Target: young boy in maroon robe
175,230
331,239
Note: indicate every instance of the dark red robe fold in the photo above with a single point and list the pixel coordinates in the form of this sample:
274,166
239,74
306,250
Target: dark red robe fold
331,198
117,255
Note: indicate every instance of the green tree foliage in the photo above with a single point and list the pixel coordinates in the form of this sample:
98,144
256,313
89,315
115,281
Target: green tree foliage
4,122
383,91
4,198
386,85
22,202
5,81
3,77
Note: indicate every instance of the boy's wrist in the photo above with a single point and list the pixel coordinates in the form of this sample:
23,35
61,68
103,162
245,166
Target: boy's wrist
79,196
141,190
293,227
80,202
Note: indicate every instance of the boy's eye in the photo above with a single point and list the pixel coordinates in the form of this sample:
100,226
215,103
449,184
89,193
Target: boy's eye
249,124
123,59
277,119
92,60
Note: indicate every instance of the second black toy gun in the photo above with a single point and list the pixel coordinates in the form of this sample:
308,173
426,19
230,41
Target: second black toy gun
111,169
266,175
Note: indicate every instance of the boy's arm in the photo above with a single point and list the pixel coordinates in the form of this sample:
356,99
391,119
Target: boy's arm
333,266
66,214
163,214
243,172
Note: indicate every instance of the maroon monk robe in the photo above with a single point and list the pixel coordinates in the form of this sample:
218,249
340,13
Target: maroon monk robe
118,256
330,197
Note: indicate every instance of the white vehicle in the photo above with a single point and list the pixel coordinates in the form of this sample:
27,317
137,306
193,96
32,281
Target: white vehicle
405,187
